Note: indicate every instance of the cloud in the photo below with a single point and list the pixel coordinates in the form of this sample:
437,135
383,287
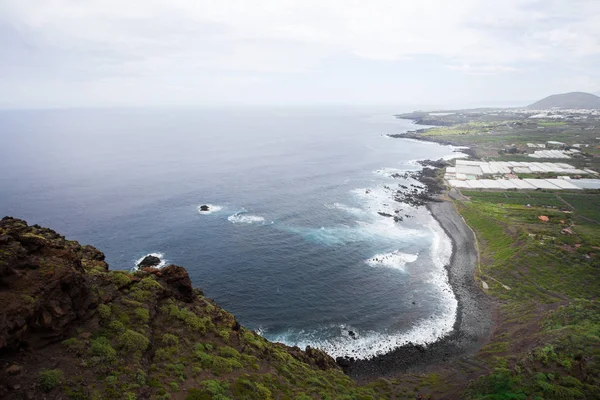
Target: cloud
237,40
481,69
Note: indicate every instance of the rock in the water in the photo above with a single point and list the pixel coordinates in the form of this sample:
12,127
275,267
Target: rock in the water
204,208
149,261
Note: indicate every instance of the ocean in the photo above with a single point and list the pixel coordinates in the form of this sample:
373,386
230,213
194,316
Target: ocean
293,243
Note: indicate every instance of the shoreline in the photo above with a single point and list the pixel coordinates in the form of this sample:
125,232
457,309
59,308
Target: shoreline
415,135
473,325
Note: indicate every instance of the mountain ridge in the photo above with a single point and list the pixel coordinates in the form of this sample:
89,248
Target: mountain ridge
575,100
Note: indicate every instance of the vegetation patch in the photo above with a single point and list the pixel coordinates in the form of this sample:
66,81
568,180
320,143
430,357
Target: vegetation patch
131,341
50,378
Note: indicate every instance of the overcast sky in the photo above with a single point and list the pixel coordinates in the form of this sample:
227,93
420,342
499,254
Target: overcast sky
57,53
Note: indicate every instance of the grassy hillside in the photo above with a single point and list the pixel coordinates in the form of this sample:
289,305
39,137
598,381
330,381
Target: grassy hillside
545,276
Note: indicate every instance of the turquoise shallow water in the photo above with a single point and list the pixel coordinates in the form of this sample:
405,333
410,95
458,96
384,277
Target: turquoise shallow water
294,247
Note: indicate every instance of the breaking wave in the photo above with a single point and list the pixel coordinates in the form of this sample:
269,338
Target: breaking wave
243,218
395,260
373,223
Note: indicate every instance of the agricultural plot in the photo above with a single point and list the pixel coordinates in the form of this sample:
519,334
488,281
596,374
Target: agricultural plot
586,205
519,198
546,274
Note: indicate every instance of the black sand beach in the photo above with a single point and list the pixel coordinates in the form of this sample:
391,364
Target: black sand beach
473,324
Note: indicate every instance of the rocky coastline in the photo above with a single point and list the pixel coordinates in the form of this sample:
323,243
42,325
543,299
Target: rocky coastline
83,285
474,319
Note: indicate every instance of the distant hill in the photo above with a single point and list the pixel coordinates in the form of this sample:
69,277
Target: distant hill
568,100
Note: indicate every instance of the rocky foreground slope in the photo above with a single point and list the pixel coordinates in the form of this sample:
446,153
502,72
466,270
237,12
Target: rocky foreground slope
71,328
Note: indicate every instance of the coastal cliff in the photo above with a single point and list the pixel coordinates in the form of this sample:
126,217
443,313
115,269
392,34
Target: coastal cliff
72,328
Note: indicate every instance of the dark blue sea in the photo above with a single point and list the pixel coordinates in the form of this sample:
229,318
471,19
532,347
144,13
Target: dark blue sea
293,243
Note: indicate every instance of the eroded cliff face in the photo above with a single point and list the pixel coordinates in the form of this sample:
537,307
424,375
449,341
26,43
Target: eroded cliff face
71,328
43,284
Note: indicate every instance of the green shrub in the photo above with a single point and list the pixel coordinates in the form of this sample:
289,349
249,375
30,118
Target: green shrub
199,347
50,378
140,377
119,278
165,354
222,365
224,333
197,394
215,387
124,318
104,311
149,283
111,380
544,354
230,352
117,327
101,348
132,341
142,314
170,340
192,320
178,369
73,344
244,388
140,295
132,303
498,385
196,370
204,359
154,382
254,340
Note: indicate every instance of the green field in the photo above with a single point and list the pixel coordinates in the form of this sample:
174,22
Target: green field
545,276
585,206
552,123
522,198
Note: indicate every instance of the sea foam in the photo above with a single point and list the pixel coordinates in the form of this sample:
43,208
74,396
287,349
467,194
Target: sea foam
211,209
243,218
365,344
395,260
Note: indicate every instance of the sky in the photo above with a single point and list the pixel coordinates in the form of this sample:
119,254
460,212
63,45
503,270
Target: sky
436,53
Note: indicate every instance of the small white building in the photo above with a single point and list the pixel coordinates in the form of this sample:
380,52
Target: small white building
552,143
